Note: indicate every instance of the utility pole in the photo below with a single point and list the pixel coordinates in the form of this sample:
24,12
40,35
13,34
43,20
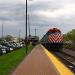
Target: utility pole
26,28
29,25
2,32
19,35
35,32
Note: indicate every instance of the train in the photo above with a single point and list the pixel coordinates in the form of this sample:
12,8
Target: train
53,39
34,40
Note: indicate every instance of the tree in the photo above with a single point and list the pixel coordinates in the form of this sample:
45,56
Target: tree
8,38
70,36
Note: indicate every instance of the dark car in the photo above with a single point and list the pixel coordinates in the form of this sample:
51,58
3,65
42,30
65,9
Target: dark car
0,52
6,48
8,45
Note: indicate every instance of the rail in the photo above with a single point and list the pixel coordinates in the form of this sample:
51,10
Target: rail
67,59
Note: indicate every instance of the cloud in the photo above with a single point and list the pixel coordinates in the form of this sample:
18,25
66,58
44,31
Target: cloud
12,1
43,14
67,10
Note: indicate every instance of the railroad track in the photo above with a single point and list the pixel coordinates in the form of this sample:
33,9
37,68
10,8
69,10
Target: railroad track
67,59
68,52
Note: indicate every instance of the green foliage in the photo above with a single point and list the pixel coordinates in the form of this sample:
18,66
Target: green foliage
70,36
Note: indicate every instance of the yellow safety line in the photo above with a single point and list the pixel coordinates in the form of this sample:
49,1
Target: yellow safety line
62,69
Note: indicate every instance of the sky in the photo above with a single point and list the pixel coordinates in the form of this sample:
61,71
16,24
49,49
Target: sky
43,15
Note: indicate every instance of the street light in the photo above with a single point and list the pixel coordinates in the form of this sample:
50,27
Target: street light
26,27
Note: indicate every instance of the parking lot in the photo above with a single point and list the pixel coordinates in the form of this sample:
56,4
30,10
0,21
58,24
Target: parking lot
10,60
7,47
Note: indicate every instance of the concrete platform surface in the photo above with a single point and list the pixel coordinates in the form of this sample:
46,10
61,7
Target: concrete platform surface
41,62
36,63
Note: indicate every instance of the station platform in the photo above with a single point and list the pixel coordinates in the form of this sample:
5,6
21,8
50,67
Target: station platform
41,62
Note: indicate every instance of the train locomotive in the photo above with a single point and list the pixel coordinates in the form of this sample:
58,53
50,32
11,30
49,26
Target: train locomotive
53,39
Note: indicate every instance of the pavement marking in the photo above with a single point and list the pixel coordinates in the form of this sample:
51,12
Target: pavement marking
62,69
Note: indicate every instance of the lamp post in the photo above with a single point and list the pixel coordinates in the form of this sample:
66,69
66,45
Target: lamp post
26,28
36,32
19,35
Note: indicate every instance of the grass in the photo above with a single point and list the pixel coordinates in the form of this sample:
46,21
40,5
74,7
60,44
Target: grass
11,60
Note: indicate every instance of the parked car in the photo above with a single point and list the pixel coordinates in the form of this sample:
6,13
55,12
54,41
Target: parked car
8,45
14,45
2,50
6,48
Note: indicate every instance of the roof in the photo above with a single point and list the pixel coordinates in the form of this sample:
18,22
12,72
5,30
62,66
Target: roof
54,30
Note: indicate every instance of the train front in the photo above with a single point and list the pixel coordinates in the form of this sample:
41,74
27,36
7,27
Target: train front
54,39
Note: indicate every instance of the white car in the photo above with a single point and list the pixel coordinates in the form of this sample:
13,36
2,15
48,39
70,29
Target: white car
3,51
11,49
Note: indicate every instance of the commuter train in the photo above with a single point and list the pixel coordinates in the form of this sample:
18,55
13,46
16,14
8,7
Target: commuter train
53,39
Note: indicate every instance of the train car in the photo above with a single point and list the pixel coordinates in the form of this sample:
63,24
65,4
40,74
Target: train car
34,40
53,39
